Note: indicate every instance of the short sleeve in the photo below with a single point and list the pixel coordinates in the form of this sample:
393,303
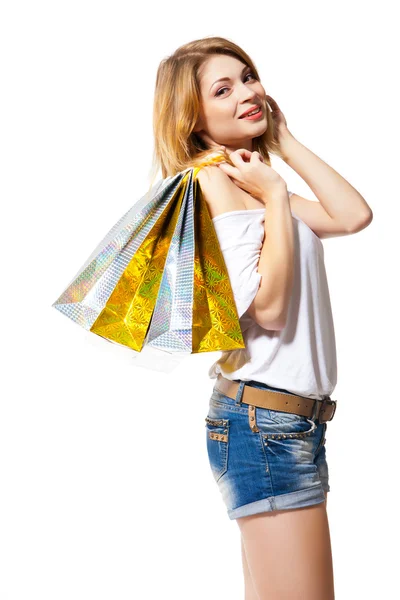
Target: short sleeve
247,292
240,234
290,193
241,262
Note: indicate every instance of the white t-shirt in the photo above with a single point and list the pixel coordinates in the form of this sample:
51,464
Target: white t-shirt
301,357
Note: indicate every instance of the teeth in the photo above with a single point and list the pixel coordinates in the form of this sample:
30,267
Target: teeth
252,112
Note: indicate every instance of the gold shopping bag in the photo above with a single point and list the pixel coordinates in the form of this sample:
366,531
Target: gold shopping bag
158,278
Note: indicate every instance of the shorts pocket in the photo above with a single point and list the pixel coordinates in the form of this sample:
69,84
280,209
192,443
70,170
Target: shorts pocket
217,431
277,425
279,416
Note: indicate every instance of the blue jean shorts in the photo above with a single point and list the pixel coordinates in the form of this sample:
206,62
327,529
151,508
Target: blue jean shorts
281,466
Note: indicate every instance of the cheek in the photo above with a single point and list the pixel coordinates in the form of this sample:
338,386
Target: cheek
219,118
261,91
221,111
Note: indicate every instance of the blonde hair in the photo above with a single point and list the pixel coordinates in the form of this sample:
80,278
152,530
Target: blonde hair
177,103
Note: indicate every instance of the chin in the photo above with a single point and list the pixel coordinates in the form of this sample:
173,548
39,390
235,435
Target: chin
262,128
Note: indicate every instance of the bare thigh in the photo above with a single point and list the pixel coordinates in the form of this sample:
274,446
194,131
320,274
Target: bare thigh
287,554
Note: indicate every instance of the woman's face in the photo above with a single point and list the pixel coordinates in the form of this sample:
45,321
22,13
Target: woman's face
223,103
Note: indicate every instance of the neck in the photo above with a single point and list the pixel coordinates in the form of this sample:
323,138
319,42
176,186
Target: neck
246,144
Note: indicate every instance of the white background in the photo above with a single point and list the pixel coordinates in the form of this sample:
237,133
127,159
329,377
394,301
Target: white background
105,486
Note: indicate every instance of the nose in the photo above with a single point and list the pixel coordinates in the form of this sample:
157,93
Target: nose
246,94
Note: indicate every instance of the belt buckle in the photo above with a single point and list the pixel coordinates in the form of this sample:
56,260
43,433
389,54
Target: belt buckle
326,402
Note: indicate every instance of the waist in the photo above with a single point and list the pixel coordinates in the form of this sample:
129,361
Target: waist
264,396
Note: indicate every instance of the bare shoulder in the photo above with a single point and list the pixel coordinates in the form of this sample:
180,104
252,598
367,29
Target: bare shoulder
219,191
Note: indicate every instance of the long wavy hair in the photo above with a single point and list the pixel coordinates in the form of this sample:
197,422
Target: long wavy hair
176,108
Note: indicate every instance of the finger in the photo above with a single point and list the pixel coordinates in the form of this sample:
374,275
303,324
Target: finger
256,156
238,156
229,170
243,152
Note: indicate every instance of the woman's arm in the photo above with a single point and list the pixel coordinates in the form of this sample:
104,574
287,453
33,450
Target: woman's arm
341,209
276,265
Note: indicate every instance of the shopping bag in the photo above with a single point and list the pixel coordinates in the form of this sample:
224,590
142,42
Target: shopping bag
158,278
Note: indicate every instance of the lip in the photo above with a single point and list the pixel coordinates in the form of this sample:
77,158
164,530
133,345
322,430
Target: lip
250,110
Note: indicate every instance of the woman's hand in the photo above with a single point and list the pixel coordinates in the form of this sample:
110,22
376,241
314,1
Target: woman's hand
251,174
281,131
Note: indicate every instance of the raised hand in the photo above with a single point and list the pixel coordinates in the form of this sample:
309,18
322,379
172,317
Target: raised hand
251,174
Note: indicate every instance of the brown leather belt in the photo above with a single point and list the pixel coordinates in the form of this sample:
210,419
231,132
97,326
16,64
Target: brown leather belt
323,410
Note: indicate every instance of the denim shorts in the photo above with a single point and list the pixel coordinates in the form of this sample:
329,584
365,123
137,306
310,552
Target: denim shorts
281,466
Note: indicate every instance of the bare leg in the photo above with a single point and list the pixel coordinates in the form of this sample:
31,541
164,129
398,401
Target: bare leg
249,591
287,553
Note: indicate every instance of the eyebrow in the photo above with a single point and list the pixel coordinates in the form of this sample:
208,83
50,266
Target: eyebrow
228,78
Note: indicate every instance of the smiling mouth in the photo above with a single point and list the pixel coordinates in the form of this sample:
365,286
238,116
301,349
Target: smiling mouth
253,115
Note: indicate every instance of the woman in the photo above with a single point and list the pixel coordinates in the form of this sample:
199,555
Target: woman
267,421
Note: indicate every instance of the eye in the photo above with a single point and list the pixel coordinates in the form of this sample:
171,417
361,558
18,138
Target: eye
247,75
252,75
